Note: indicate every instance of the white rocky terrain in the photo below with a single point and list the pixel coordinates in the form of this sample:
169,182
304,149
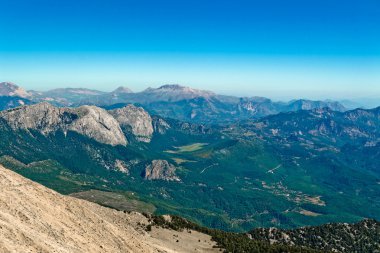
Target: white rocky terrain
34,218
90,121
175,92
136,118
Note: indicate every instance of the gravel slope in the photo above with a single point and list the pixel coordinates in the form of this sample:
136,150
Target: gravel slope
34,218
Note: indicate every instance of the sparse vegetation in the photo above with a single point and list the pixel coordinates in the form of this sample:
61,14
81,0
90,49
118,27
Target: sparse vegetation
363,236
226,241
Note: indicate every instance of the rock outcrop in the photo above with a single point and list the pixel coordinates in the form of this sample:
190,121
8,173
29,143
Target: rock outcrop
135,118
90,121
160,170
160,125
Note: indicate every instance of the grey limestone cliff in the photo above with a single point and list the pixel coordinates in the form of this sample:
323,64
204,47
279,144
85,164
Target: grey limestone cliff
135,118
90,121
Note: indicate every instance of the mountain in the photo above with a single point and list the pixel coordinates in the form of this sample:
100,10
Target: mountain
363,236
352,137
121,90
65,96
213,109
187,104
355,126
175,92
303,104
366,103
12,90
109,127
165,93
134,120
89,121
180,102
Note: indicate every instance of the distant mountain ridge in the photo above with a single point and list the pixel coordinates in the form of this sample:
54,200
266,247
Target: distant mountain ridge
172,100
354,125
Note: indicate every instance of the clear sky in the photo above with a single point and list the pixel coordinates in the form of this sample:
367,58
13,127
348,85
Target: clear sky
274,48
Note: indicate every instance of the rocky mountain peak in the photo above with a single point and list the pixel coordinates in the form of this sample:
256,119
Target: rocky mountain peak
135,118
43,117
172,93
12,90
304,104
98,124
121,90
181,90
91,121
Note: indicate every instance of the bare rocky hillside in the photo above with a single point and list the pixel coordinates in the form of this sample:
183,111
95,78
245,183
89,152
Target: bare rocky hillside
34,218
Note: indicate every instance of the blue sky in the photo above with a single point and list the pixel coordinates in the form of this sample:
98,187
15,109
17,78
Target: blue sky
280,49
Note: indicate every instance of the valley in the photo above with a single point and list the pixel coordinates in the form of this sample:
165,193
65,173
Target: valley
253,173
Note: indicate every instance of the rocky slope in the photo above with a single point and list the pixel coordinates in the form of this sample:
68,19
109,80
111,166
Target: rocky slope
36,219
109,127
135,118
90,121
357,125
175,92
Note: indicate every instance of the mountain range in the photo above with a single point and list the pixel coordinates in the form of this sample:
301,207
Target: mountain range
241,165
174,101
292,169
